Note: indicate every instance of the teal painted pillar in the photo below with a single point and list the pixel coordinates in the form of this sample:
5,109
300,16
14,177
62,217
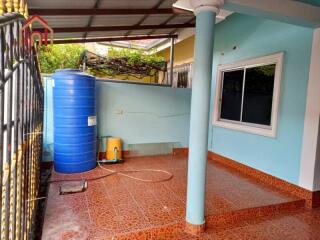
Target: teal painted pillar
199,120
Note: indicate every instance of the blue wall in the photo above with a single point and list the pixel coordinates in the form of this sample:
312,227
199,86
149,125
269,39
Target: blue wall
151,114
255,37
47,120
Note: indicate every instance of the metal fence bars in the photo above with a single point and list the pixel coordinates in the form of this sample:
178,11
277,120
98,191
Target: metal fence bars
21,110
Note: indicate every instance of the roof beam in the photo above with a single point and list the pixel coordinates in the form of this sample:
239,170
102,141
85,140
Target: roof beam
96,11
112,39
117,28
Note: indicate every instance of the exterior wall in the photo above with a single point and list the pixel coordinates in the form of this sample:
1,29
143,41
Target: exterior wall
135,113
183,52
143,114
47,120
242,37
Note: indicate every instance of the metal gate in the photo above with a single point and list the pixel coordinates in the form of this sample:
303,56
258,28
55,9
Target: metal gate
21,118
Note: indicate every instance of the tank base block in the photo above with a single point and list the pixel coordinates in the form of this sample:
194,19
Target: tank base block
105,161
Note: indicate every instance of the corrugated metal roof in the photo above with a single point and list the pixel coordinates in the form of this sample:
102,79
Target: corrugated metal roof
155,19
140,32
122,20
84,21
61,3
163,31
127,4
181,18
67,35
106,34
65,21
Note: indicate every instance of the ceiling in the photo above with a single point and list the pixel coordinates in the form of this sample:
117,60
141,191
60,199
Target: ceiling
311,2
106,20
298,12
103,20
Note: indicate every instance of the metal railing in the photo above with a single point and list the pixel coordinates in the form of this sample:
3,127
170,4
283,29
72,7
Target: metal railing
21,111
181,75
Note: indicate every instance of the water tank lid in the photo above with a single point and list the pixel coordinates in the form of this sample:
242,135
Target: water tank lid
66,73
68,70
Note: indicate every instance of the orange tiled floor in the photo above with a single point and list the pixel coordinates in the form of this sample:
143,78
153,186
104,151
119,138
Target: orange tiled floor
118,206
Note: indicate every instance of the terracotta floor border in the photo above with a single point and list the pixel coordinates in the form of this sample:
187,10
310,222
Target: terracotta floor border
195,229
215,220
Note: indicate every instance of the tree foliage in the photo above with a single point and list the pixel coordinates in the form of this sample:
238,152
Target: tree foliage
53,57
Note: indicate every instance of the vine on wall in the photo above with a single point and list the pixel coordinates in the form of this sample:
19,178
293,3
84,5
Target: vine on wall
125,62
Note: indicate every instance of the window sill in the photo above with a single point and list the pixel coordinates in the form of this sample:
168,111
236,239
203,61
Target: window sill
246,128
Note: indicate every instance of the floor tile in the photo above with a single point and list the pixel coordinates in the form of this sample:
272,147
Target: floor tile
119,207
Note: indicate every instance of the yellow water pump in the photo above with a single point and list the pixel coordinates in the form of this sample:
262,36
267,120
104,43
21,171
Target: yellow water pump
113,152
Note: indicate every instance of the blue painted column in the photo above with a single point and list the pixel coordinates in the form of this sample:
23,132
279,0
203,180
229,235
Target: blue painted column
199,120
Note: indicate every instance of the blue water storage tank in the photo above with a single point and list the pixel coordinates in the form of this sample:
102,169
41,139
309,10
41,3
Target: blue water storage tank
74,121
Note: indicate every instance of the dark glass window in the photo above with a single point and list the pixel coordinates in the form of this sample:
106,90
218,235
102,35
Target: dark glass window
258,93
183,79
232,95
251,103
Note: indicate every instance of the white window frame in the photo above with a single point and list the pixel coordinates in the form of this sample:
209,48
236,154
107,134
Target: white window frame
269,131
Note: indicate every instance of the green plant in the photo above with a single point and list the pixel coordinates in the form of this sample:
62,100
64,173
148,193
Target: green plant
137,57
53,57
126,62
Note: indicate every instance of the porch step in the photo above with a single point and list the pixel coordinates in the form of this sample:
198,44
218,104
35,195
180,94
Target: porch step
256,212
217,220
